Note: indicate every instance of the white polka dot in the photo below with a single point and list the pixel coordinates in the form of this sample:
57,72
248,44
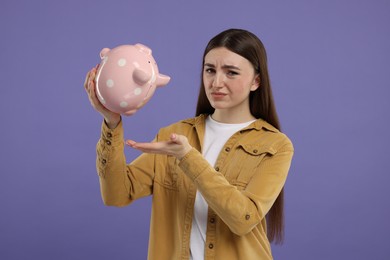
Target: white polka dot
110,83
137,91
121,62
123,104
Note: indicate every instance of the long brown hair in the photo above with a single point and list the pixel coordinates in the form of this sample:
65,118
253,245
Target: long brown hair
261,102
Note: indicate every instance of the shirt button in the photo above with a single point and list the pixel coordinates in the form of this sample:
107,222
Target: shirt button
212,220
211,246
109,135
255,151
217,169
108,142
247,217
227,149
104,161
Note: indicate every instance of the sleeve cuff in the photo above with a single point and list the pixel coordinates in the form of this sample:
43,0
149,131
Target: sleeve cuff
112,136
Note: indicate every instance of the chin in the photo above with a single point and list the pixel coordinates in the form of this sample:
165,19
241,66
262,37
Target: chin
217,106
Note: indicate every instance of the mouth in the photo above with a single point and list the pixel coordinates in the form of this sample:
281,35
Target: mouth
218,94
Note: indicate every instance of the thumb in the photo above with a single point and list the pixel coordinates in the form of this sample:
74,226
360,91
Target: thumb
175,138
178,139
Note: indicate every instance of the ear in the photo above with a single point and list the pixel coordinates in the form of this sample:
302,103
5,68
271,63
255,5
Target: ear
141,77
143,48
255,83
162,80
104,52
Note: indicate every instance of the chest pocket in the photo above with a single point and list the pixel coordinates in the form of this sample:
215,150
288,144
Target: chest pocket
173,174
248,159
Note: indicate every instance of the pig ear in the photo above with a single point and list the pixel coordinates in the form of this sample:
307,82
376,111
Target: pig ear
143,48
141,77
162,80
104,52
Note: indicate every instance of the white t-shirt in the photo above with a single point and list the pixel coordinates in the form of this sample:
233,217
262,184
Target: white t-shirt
216,135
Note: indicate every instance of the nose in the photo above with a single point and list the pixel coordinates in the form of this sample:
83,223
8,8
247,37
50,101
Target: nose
218,80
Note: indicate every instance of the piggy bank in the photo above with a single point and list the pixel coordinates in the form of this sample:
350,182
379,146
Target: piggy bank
127,78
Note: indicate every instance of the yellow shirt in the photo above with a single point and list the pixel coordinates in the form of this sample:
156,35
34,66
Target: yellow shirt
246,180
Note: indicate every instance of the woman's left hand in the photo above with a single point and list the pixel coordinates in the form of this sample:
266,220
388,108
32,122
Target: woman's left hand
177,146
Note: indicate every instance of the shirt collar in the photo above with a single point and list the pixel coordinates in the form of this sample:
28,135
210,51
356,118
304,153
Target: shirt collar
257,125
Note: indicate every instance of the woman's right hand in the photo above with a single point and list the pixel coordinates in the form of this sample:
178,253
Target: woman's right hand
112,119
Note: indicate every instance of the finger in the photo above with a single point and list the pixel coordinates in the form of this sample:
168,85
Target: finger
130,143
89,78
92,93
93,74
86,81
155,147
145,150
93,96
158,146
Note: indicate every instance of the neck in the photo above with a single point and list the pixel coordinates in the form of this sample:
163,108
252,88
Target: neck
232,117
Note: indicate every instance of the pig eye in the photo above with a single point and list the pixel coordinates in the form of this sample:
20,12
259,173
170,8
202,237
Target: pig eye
148,61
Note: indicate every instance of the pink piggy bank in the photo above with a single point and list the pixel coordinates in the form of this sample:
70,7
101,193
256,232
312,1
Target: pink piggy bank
127,78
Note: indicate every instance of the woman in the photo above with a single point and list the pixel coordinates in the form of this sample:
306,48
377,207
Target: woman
216,177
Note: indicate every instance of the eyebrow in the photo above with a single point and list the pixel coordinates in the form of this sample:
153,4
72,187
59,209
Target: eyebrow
224,66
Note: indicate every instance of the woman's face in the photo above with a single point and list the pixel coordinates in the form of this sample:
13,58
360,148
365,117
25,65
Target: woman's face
228,79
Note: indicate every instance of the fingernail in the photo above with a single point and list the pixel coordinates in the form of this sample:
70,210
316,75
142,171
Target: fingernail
130,143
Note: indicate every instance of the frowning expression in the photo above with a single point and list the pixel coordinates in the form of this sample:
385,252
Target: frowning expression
228,79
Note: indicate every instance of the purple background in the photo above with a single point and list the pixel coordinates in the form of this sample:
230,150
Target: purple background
329,65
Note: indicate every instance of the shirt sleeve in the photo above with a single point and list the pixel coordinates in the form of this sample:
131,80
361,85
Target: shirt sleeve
240,210
121,183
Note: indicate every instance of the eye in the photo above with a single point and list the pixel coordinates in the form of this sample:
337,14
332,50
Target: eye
232,73
209,70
